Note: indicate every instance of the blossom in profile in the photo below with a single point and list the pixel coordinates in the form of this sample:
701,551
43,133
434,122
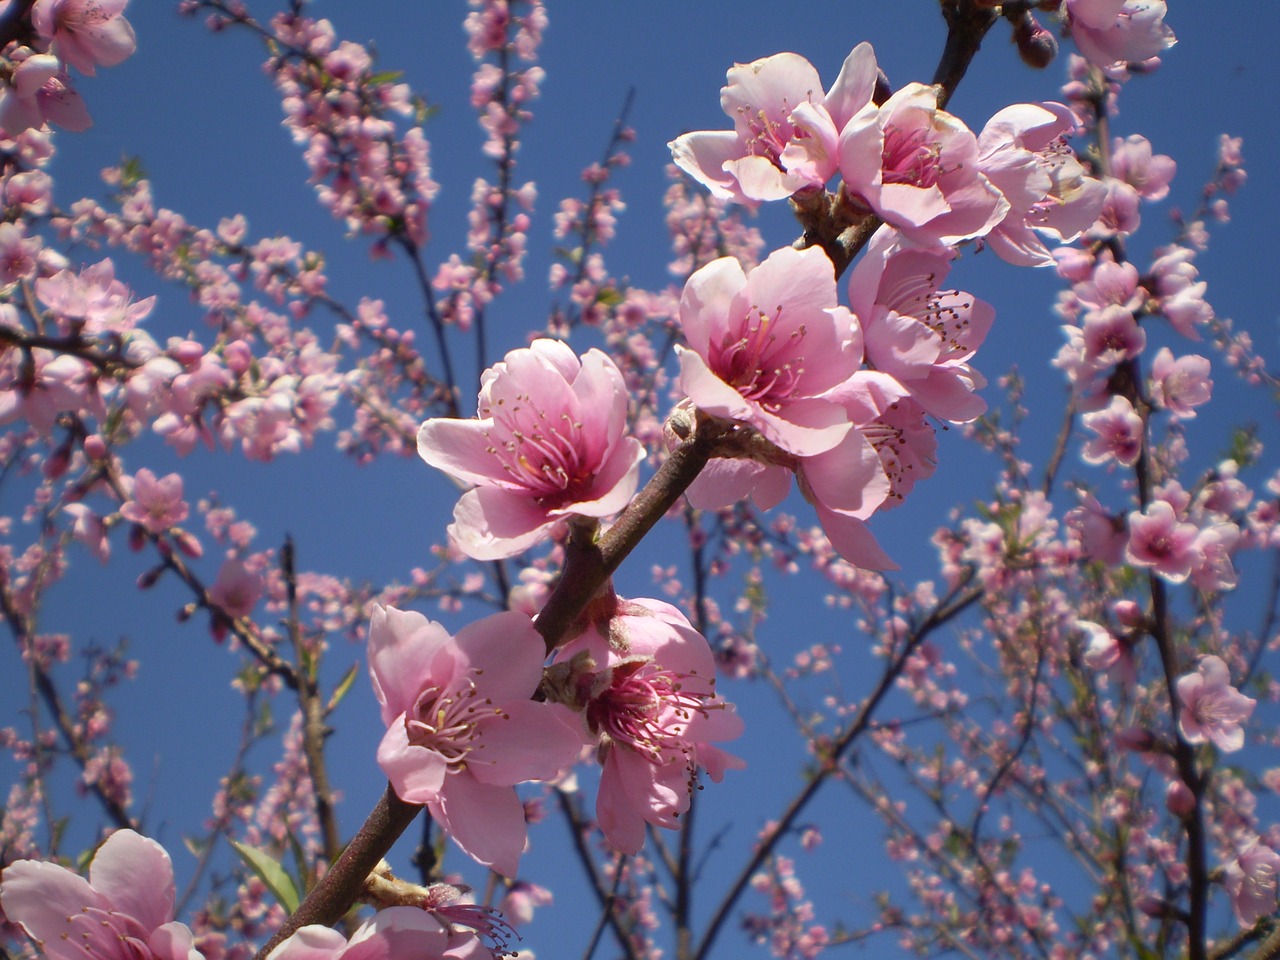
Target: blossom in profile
1110,33
644,681
916,166
548,442
461,729
914,331
785,128
124,911
40,91
396,933
1250,880
1024,153
765,345
1212,709
85,33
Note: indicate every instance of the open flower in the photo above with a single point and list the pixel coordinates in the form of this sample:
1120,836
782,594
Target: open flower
765,345
1250,879
549,443
645,683
1212,709
1113,32
461,729
124,911
916,166
396,933
785,129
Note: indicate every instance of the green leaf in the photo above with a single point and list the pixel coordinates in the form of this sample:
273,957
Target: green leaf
344,685
273,875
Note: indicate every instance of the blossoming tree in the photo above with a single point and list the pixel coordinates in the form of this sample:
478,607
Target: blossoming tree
1035,725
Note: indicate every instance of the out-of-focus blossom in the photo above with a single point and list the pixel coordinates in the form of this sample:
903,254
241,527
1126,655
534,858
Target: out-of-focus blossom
1119,432
1114,32
124,911
1250,880
85,33
1212,709
39,91
156,503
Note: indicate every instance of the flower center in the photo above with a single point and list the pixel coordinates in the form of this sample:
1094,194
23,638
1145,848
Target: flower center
648,709
446,721
753,364
542,454
910,157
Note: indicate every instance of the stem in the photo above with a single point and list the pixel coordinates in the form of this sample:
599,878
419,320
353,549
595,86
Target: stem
967,24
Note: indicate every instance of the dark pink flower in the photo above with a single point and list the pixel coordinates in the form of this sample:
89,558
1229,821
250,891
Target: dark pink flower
396,933
461,729
124,911
764,346
549,443
645,682
1212,709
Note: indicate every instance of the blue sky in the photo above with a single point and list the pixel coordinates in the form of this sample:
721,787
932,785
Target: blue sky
205,122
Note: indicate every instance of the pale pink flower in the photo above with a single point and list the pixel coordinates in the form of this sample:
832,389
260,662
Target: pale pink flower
1133,162
1112,32
124,911
1024,153
917,333
396,933
85,33
1180,385
1212,709
785,128
237,590
157,504
1119,432
1111,335
93,300
1158,539
1213,569
461,729
765,345
645,682
1178,292
917,167
521,900
1250,880
87,528
38,91
1121,211
549,443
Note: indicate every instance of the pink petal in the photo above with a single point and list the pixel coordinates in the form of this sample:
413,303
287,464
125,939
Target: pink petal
312,942
705,303
460,449
854,86
534,741
492,524
416,773
703,156
853,540
402,646
41,897
398,933
506,653
136,875
487,822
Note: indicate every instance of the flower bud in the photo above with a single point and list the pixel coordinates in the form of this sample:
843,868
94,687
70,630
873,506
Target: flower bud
1135,738
1036,46
56,464
95,448
1180,800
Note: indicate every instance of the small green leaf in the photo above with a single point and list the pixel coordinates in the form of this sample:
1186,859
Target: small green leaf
273,875
344,685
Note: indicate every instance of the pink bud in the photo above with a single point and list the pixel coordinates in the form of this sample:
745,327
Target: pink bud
189,544
137,537
1179,799
187,352
1153,906
56,464
237,356
95,448
1135,738
148,579
1128,613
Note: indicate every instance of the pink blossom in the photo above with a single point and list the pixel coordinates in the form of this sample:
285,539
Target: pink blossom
157,504
1212,709
917,167
124,911
522,899
1158,539
93,300
85,32
1111,335
920,335
87,528
645,681
1179,295
1133,162
1250,880
1023,152
549,443
765,345
1180,385
237,590
785,129
40,90
1121,211
1113,32
461,729
396,933
1119,432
